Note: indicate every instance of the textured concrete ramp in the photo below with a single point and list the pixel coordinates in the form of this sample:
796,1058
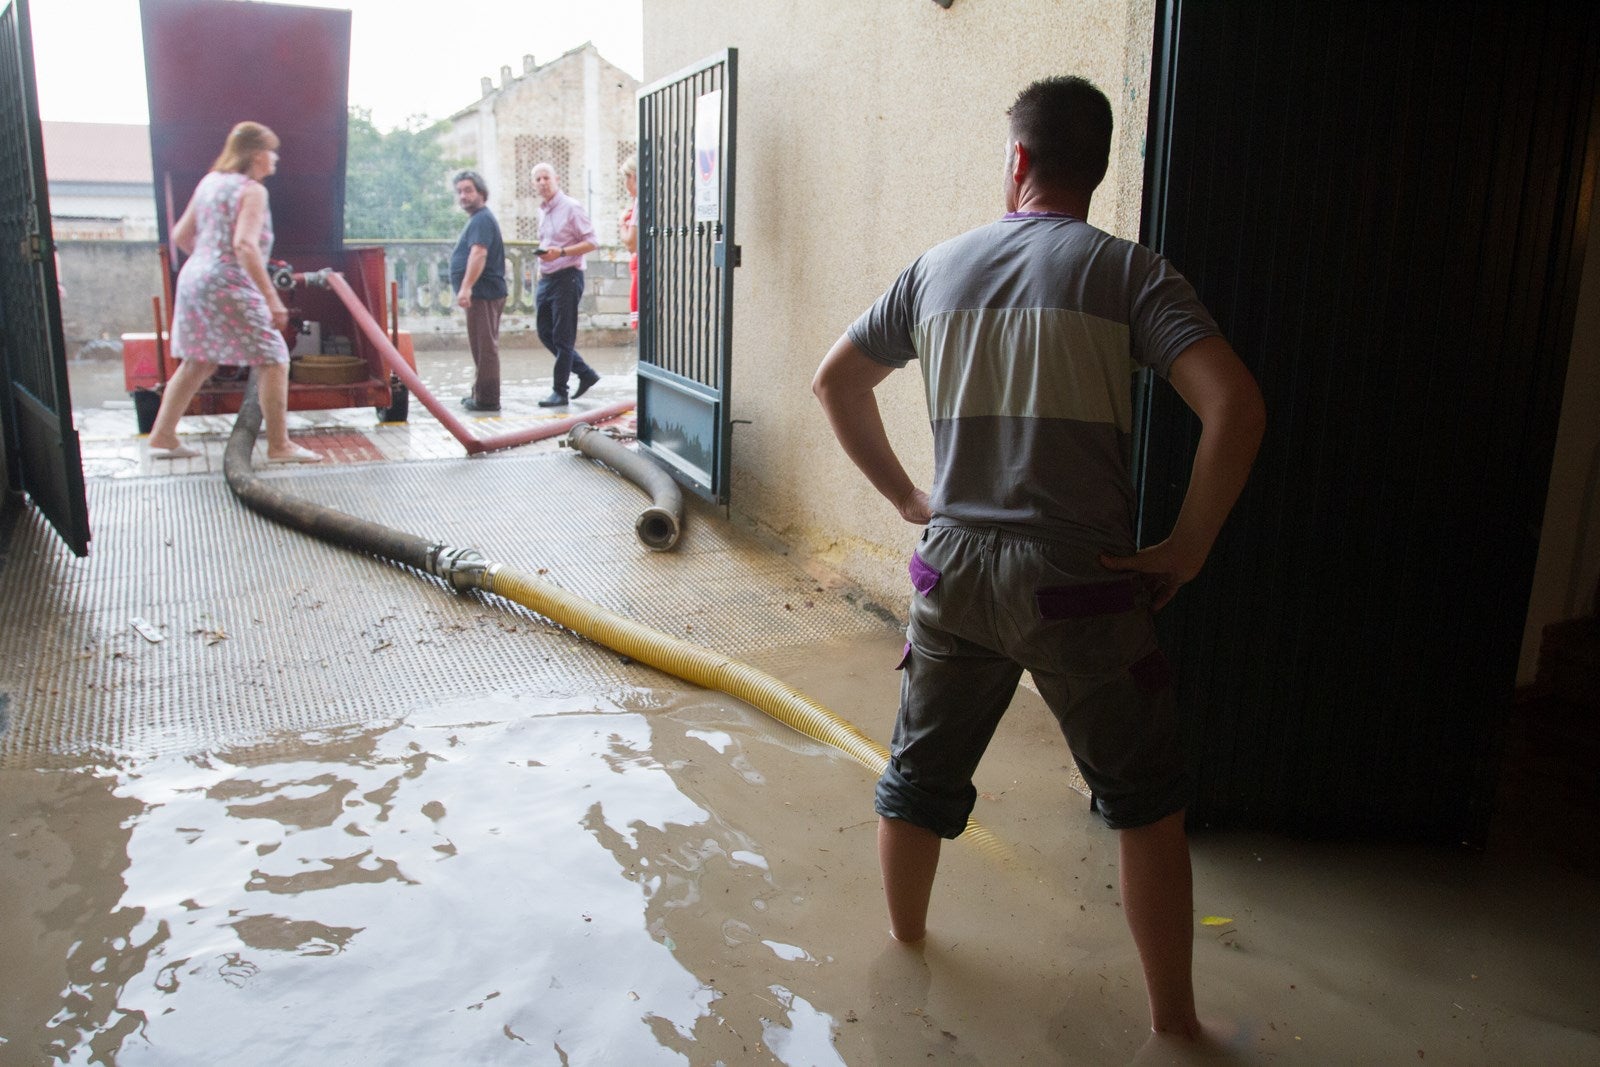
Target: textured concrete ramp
266,629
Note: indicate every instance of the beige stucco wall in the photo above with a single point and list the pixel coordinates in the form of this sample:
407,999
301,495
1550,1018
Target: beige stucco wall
868,130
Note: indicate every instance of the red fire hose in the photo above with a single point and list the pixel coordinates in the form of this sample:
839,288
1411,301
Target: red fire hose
402,370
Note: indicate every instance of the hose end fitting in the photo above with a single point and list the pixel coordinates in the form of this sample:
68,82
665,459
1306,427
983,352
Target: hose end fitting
657,528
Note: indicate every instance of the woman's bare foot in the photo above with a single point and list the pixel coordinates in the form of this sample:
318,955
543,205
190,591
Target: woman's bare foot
293,454
175,452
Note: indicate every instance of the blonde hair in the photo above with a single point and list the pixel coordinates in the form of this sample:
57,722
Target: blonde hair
630,166
244,141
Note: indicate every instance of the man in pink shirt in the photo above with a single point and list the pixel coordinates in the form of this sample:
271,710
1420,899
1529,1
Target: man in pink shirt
566,235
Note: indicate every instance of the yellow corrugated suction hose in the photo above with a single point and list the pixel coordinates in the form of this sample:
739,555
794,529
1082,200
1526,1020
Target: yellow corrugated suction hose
465,568
704,668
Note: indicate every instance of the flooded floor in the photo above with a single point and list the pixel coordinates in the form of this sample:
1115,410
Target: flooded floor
655,874
107,426
666,876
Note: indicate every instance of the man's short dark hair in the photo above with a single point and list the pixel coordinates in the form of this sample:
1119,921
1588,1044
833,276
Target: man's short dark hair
1065,124
475,178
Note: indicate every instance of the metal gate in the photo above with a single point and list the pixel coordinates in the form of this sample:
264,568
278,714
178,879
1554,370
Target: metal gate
40,444
686,259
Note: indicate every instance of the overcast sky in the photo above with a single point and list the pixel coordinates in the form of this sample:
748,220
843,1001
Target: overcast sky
407,57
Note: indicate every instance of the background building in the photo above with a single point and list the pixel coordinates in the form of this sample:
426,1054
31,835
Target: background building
577,112
100,180
103,216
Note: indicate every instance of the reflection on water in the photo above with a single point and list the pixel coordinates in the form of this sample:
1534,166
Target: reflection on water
675,878
443,887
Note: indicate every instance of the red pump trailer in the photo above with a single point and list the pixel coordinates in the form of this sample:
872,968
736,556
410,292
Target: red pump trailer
208,65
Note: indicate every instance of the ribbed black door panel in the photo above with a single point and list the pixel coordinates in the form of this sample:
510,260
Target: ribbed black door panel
1384,205
35,408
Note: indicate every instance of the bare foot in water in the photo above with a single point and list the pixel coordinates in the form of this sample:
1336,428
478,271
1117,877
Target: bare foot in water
1219,1041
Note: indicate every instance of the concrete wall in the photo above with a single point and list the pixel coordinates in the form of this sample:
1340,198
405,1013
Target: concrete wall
109,285
868,130
108,289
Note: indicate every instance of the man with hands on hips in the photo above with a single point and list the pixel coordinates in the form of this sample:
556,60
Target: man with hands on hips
1027,332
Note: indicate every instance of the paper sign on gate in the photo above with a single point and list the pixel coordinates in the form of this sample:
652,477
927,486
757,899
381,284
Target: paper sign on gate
707,157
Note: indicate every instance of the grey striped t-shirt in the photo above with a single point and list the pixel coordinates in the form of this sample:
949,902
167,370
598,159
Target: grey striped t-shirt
1028,331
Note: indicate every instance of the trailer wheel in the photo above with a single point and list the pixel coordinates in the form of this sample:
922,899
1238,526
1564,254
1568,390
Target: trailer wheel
146,402
399,408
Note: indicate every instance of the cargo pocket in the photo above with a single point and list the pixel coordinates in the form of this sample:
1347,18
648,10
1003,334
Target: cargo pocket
1085,601
1090,627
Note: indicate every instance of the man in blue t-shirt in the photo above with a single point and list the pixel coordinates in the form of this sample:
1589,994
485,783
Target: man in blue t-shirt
478,276
1027,332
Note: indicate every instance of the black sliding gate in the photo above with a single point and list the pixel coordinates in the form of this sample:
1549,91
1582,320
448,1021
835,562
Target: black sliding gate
40,446
686,259
1385,205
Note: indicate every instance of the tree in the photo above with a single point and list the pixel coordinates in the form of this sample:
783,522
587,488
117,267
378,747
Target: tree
397,184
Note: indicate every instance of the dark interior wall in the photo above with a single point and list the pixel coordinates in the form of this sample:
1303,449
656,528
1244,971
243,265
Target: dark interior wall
1384,205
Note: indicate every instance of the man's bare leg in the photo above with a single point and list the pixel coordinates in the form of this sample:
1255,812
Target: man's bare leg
909,857
1158,900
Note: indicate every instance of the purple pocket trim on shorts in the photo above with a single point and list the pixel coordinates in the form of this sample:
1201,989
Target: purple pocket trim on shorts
923,577
905,656
1153,673
1083,601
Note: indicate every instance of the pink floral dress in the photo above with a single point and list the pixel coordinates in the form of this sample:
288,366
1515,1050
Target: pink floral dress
220,315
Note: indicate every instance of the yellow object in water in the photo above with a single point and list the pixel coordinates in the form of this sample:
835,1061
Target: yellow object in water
705,668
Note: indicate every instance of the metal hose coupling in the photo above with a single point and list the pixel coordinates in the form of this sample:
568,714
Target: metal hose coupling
317,279
463,568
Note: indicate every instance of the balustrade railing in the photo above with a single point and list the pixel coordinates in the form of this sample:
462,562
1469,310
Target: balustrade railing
422,269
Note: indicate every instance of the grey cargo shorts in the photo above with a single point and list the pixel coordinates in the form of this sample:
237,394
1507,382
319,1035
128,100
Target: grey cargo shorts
989,604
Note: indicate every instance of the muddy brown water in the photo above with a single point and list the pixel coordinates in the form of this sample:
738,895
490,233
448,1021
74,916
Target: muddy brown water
666,876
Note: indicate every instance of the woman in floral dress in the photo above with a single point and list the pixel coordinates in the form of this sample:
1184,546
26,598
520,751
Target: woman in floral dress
227,311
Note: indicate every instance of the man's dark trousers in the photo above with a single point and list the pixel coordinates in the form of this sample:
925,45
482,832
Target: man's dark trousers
557,304
483,341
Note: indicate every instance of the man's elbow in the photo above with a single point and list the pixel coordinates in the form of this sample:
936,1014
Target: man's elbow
828,386
825,381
